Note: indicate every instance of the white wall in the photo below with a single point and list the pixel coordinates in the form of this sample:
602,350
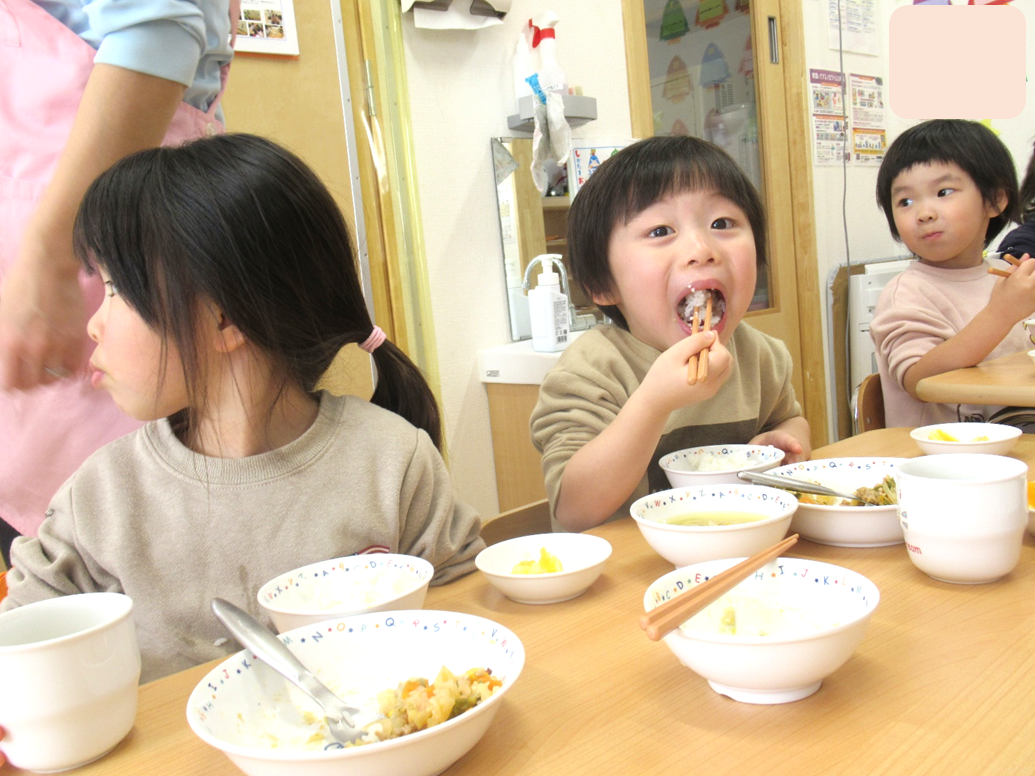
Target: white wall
461,92
868,236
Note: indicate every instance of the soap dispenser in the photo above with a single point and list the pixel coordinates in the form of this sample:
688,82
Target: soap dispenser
548,308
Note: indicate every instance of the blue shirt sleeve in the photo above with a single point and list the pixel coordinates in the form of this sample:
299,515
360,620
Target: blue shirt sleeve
185,41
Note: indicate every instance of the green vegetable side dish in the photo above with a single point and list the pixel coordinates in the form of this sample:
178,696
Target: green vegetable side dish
884,493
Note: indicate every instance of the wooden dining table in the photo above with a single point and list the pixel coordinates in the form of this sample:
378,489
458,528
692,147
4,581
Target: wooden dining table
943,682
1008,381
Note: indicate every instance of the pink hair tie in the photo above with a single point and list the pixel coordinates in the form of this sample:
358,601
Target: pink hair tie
374,340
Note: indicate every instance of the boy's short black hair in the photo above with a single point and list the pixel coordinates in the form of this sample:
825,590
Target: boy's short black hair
972,147
633,180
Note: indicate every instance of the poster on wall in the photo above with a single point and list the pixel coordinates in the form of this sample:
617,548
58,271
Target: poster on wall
869,129
267,27
852,26
829,121
587,156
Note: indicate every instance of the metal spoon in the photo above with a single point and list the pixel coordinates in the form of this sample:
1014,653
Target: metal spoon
271,651
787,483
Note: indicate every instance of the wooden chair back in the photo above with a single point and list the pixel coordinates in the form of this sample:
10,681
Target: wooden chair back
530,519
869,405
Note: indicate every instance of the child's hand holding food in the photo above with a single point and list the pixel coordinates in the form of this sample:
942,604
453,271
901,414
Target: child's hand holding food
1013,297
666,383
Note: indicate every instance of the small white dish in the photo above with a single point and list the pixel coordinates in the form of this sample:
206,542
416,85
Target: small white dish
351,585
845,526
830,608
582,557
682,545
1000,439
717,464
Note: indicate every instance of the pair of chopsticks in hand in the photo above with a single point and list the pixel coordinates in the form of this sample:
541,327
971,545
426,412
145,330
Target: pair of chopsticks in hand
1002,272
674,612
697,371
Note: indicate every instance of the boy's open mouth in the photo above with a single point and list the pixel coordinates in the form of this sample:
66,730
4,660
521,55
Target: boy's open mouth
698,299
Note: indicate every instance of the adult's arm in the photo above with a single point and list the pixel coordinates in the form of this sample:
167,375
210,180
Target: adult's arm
42,314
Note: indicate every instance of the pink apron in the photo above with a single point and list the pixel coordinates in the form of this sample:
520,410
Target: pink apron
46,433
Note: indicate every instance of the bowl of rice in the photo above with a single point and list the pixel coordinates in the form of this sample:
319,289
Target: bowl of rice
438,678
717,464
351,585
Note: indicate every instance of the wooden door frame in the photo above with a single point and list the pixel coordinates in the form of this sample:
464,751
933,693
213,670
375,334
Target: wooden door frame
806,265
402,304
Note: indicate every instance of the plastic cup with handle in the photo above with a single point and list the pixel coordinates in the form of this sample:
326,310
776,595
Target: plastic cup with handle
963,515
70,668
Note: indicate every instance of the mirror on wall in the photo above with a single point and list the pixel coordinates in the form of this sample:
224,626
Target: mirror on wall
531,225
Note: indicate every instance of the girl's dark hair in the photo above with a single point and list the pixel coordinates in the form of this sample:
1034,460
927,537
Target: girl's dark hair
1028,190
241,221
634,179
972,147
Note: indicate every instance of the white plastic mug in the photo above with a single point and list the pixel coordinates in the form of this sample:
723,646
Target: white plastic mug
963,515
1029,325
70,668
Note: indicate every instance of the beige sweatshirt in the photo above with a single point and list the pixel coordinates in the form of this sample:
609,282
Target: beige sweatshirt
173,529
598,372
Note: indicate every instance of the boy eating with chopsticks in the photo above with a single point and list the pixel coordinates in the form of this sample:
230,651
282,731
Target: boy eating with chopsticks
947,188
667,232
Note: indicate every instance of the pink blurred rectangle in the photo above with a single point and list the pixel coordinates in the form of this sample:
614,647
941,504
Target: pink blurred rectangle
956,61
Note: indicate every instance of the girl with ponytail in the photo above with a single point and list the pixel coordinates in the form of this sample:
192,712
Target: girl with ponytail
231,287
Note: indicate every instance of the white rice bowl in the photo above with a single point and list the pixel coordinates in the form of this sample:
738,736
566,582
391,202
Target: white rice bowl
717,464
349,585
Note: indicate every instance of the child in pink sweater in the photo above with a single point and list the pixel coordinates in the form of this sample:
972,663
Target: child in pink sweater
947,187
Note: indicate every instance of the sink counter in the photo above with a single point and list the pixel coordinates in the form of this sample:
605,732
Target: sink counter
517,363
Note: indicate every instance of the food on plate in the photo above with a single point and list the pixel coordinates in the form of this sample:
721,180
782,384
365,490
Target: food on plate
1031,495
938,435
715,518
417,705
546,564
738,614
884,493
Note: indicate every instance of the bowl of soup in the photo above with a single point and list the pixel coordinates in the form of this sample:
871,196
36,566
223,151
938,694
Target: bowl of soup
691,525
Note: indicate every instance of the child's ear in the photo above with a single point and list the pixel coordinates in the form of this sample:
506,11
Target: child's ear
1000,204
226,338
612,298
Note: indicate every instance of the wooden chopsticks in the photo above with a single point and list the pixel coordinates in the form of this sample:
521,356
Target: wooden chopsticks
674,612
1002,272
697,371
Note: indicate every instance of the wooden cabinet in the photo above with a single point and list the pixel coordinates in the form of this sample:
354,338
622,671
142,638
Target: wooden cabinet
519,477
